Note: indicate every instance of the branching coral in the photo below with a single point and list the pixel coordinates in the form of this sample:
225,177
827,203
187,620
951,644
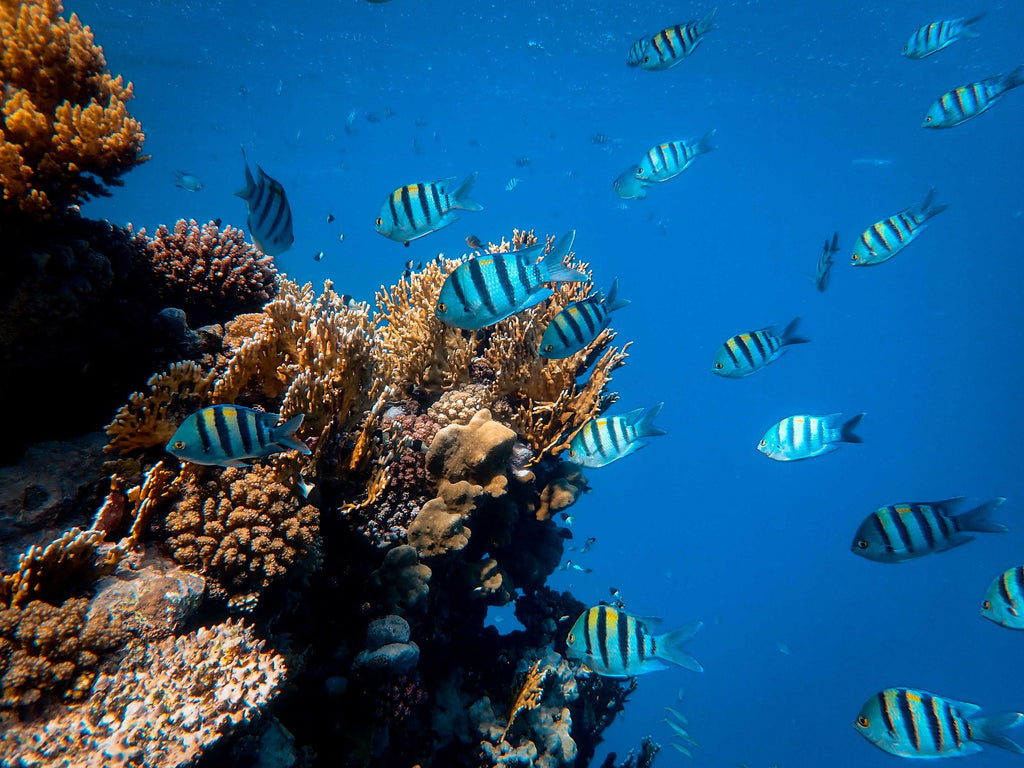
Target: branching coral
241,528
211,274
165,706
66,134
52,572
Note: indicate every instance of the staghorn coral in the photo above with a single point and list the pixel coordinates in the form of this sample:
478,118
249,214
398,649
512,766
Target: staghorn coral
166,704
66,134
52,572
210,273
48,650
149,420
241,528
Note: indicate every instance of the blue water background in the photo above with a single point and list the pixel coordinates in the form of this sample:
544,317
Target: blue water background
699,524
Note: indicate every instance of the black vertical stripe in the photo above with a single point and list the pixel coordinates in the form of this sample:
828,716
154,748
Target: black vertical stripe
524,278
587,312
931,706
558,324
1004,592
266,205
880,529
732,355
908,719
573,326
675,155
436,196
223,432
883,707
953,723
280,213
807,434
407,206
664,158
1018,574
394,211
425,201
667,36
623,628
476,274
602,633
460,294
744,349
639,634
901,529
613,433
943,521
204,434
891,222
262,429
760,345
586,631
501,267
255,199
244,431
921,516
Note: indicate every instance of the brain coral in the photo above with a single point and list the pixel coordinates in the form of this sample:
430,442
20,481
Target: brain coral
241,528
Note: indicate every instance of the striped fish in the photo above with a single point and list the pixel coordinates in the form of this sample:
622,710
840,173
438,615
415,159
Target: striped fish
932,38
913,723
491,286
1004,600
666,161
628,186
614,644
416,210
884,239
825,262
804,437
270,216
747,353
580,323
224,435
603,440
670,46
967,101
905,531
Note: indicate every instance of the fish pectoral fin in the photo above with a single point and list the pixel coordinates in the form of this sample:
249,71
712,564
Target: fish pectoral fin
536,298
236,463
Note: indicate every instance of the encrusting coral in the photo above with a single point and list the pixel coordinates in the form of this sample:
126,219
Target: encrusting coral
66,134
166,704
212,274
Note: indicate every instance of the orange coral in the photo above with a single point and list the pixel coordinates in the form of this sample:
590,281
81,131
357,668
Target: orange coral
66,134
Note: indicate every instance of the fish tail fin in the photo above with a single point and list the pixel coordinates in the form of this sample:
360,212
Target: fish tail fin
250,183
284,435
966,29
460,197
645,425
990,730
707,22
846,434
789,334
978,519
834,248
671,646
552,268
926,210
1013,79
613,302
706,143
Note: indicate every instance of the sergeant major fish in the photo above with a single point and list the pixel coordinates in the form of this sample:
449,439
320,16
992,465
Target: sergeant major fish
804,437
607,438
884,239
270,216
225,435
579,323
187,181
967,101
908,722
492,286
415,210
821,277
747,353
932,38
1004,599
905,531
615,644
666,161
671,45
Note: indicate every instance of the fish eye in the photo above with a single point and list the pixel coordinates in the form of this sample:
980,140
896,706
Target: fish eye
570,638
549,347
856,257
986,605
764,443
928,119
863,722
380,221
719,366
442,307
861,544
178,445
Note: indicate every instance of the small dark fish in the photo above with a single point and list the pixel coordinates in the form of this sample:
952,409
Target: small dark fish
410,267
474,242
599,139
372,118
216,221
419,122
389,112
319,256
523,161
330,218
187,181
825,262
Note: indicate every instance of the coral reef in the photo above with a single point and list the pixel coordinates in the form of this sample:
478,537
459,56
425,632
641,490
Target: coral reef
167,703
242,529
211,274
66,134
